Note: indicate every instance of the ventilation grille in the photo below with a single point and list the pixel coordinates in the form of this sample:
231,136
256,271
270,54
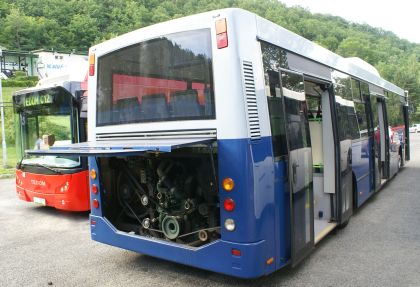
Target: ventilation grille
251,101
201,133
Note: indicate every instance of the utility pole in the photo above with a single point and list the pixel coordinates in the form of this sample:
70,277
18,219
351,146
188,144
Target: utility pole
3,135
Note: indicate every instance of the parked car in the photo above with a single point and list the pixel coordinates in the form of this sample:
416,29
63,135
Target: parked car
415,128
8,73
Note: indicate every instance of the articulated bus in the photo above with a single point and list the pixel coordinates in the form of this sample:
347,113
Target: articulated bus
228,143
51,114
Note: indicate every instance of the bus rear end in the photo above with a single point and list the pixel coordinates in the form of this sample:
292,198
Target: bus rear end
171,166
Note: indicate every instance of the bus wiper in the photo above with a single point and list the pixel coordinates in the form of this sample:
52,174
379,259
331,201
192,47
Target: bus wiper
47,167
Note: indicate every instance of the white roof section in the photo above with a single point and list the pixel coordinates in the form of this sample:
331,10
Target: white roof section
266,31
279,36
365,65
73,75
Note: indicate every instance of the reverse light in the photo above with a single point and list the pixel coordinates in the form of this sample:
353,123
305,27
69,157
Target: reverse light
221,33
228,184
91,64
93,174
95,203
229,204
230,224
94,189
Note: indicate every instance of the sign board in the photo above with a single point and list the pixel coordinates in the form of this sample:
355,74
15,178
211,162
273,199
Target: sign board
37,99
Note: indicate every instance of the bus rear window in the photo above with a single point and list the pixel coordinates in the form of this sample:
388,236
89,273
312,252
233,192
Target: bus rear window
163,79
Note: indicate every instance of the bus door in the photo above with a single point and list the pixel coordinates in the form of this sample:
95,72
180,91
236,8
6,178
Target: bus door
407,134
379,136
344,115
299,165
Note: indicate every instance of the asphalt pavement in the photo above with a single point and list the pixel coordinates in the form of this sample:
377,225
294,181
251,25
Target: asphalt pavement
41,246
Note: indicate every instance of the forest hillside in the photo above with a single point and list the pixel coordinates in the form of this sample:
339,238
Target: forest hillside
66,25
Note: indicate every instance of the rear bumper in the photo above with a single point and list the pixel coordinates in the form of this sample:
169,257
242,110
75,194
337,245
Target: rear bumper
216,256
76,198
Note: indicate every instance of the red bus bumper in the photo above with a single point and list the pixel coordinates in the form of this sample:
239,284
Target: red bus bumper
65,191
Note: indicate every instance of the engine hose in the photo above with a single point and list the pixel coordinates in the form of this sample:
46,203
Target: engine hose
204,229
135,215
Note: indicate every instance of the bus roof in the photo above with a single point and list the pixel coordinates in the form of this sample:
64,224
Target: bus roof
277,35
269,32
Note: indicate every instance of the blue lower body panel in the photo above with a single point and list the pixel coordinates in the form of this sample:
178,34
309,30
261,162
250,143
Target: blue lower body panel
215,256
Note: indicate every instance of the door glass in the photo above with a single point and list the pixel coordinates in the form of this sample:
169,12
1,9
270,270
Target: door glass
300,163
376,141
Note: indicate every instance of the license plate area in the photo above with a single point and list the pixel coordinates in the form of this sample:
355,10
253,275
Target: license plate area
39,200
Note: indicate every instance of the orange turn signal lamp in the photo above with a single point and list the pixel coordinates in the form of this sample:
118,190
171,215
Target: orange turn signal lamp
92,65
93,174
221,33
228,184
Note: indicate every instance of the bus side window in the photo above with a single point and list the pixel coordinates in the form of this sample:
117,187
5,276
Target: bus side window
275,108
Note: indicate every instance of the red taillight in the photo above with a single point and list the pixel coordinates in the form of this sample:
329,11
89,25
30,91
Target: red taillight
221,33
222,40
229,204
236,252
93,222
94,189
91,70
91,64
95,203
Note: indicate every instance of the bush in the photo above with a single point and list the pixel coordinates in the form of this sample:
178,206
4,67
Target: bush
24,82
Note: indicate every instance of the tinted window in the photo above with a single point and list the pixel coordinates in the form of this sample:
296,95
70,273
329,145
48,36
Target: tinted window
342,85
163,79
394,107
361,118
296,109
275,108
355,87
273,59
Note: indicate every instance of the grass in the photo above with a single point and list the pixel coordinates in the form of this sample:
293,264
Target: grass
11,150
11,161
8,92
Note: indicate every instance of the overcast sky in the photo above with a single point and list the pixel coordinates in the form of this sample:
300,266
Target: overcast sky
401,17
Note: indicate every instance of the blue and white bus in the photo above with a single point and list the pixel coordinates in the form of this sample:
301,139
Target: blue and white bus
226,142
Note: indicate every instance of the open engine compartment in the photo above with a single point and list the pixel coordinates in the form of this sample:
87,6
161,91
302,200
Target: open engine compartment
171,196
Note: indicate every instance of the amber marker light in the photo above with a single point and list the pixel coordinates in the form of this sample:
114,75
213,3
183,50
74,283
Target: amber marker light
91,64
221,33
93,174
228,184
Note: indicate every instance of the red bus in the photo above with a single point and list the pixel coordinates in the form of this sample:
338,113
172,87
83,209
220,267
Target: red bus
49,115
